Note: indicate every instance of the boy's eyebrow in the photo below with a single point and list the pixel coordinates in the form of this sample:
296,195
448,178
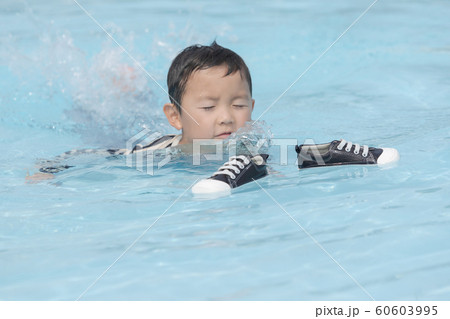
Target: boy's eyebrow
213,98
242,96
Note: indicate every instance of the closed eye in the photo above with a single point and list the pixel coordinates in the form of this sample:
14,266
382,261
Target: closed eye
207,108
240,105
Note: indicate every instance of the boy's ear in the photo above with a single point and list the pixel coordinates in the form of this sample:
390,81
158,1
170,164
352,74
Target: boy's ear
253,104
173,116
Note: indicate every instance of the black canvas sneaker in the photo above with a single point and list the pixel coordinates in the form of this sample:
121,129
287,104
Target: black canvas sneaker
343,153
237,171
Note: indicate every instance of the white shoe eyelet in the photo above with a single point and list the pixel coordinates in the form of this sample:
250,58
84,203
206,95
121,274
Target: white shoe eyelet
355,152
347,149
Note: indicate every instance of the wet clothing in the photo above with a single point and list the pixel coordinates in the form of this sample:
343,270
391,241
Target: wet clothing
166,141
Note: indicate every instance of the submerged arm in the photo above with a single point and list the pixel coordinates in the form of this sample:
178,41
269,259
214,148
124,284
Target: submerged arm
48,168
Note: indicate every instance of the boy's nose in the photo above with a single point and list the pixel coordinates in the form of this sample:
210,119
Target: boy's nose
225,116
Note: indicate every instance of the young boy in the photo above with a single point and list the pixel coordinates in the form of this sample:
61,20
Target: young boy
210,91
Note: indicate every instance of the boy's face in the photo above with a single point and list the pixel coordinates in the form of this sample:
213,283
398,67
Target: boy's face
219,104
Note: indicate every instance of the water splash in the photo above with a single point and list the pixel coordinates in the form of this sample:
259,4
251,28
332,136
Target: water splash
253,138
103,98
116,101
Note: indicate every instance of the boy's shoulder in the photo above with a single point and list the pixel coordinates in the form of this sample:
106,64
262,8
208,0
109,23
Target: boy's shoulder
162,142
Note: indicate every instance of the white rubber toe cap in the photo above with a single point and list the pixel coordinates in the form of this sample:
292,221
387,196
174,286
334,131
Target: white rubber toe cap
209,186
389,155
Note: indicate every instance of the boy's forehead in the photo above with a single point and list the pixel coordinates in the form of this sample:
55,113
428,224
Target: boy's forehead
210,77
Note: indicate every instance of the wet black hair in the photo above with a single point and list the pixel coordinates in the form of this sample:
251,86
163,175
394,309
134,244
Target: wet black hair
201,57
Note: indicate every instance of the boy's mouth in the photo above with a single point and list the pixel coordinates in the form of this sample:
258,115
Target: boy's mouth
223,135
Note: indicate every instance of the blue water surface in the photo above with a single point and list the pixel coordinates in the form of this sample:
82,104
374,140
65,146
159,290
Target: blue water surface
106,231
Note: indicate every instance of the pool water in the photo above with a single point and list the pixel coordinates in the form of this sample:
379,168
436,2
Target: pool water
106,231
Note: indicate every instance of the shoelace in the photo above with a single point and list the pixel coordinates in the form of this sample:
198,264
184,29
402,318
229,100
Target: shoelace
357,148
235,164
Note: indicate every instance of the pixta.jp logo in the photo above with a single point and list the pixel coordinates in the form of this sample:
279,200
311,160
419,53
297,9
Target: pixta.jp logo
146,160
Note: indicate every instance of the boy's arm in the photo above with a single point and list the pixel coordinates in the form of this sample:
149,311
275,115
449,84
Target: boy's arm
49,168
